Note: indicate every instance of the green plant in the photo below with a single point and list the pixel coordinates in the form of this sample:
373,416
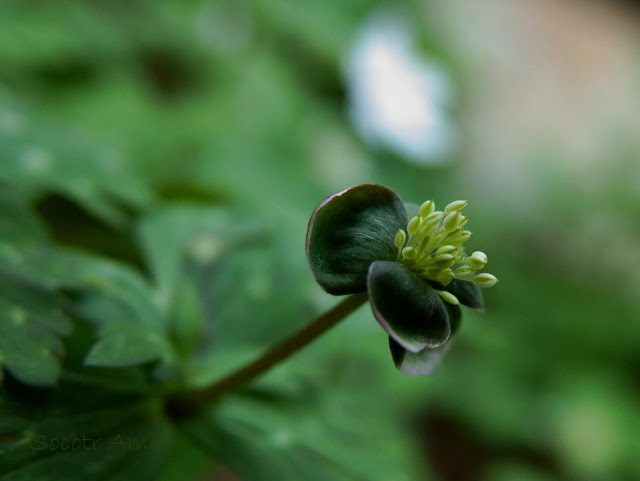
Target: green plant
131,379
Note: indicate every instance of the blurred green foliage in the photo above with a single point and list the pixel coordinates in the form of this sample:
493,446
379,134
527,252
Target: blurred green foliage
158,164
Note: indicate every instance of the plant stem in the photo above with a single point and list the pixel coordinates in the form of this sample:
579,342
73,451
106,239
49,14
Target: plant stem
186,404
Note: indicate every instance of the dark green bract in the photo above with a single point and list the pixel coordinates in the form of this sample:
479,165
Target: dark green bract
350,230
350,248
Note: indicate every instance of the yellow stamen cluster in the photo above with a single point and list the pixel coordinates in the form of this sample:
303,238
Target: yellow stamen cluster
433,247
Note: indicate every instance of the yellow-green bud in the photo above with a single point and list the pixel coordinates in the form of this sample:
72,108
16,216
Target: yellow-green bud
445,250
444,258
485,280
413,225
480,256
433,218
450,298
400,239
464,271
451,221
477,260
446,276
464,237
455,206
427,208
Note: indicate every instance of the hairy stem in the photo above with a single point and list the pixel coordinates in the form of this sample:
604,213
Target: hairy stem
186,404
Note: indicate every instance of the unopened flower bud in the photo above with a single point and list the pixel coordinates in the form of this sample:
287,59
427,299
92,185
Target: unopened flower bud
451,221
485,280
427,208
477,260
450,298
433,218
413,225
446,276
445,250
455,206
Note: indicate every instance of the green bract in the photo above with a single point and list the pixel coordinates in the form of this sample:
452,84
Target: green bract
415,271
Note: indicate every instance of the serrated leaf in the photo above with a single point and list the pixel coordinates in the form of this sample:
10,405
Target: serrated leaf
31,323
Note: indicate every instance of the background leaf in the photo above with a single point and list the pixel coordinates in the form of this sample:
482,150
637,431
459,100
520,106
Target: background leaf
31,323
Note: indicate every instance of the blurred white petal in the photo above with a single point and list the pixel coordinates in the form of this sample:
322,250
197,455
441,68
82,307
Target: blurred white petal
397,99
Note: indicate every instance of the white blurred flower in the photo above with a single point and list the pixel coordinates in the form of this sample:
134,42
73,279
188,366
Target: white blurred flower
397,98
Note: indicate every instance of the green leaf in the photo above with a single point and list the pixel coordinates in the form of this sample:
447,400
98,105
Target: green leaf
126,344
66,268
407,308
31,323
185,246
348,231
18,226
324,438
131,327
182,237
80,432
47,158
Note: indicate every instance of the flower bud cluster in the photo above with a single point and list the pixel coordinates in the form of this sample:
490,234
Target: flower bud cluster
433,247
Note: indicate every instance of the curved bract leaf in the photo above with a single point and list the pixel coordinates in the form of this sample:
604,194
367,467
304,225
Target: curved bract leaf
467,292
350,230
425,362
408,308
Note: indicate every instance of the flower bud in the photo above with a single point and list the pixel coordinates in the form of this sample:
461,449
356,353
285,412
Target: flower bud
446,276
413,225
451,221
485,280
450,298
434,218
445,250
455,206
427,208
463,272
444,258
477,260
